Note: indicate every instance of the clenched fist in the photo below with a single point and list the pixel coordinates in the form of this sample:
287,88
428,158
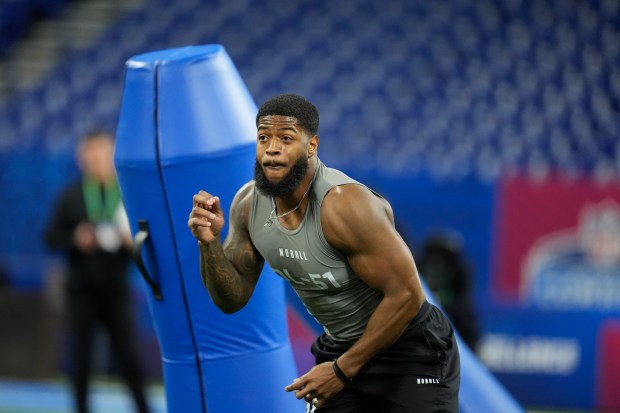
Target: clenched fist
206,219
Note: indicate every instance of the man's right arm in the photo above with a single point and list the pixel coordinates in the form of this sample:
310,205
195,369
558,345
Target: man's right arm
229,271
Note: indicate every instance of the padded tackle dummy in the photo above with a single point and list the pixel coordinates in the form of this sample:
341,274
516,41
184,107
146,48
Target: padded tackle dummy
480,391
187,123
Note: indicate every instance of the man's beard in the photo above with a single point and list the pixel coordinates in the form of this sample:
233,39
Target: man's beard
287,185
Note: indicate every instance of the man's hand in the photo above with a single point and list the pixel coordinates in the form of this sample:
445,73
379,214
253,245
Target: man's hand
206,219
318,385
84,237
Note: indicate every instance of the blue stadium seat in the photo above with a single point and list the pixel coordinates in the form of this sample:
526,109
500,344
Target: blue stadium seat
486,71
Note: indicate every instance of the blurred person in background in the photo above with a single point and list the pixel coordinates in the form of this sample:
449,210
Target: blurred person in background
4,278
443,267
90,226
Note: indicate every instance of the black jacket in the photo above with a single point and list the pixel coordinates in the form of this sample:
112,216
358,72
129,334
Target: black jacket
99,272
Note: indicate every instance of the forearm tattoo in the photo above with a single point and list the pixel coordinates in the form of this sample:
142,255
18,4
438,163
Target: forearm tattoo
230,272
220,276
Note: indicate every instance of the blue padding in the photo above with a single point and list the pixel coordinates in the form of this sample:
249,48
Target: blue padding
187,123
251,375
480,391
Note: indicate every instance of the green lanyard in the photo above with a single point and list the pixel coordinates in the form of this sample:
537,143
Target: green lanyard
100,205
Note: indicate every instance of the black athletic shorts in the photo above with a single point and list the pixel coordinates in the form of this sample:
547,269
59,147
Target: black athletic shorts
419,373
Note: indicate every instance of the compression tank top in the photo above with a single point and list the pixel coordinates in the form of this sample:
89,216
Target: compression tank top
321,276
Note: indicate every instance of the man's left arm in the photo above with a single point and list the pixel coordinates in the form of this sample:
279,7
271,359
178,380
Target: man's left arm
360,224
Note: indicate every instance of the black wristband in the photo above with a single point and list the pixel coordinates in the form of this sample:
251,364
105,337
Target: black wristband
340,374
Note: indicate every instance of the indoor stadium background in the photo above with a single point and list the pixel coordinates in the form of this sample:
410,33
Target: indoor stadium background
497,120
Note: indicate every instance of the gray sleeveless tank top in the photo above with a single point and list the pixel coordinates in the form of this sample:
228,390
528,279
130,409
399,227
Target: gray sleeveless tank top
332,293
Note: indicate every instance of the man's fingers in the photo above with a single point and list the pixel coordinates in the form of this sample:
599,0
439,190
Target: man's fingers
293,386
303,391
303,394
198,222
297,384
202,213
206,200
213,203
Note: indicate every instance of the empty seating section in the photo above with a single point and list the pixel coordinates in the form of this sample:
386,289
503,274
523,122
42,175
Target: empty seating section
16,16
450,88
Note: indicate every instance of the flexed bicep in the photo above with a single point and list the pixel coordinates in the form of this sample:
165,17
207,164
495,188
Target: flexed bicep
361,225
238,246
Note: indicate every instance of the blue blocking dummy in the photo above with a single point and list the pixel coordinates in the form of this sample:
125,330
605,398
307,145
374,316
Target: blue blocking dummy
480,391
187,123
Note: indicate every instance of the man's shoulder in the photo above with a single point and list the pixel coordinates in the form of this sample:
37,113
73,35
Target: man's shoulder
247,189
334,174
341,187
353,200
243,200
343,195
329,180
244,194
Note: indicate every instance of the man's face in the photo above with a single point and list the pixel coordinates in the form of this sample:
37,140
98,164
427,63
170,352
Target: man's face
281,155
96,157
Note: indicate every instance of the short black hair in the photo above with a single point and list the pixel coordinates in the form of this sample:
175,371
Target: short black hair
96,133
294,106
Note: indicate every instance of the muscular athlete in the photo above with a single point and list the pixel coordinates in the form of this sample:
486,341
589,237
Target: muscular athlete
374,281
